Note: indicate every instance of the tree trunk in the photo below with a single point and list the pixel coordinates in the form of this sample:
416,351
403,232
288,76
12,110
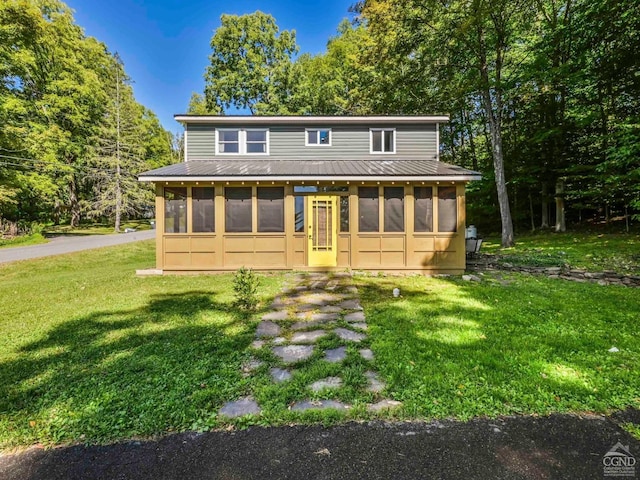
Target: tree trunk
494,117
560,223
544,223
533,222
74,204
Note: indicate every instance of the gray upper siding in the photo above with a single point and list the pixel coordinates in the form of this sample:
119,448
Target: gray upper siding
347,141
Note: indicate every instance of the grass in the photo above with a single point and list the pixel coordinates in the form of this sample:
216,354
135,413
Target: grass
23,240
593,252
91,353
510,344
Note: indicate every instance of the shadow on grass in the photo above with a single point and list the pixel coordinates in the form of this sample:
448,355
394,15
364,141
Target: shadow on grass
122,373
452,348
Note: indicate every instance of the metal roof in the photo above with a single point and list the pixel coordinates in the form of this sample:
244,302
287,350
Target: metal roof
275,169
310,119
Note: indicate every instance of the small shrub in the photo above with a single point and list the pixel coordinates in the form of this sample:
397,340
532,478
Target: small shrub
245,287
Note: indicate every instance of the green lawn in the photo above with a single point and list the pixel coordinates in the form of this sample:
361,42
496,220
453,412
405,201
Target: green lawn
594,252
90,352
510,344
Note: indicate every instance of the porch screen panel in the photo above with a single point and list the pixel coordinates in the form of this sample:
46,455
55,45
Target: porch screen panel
344,214
203,211
423,209
368,208
175,210
299,213
447,209
271,209
237,209
394,209
322,225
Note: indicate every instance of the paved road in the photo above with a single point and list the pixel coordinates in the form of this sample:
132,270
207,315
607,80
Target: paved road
518,448
68,244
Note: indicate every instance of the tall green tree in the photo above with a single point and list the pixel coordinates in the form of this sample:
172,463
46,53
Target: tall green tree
251,65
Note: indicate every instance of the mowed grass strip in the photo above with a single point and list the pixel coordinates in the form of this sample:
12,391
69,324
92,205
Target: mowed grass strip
90,352
507,345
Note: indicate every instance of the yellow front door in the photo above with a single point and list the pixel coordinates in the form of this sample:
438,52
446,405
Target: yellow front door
322,212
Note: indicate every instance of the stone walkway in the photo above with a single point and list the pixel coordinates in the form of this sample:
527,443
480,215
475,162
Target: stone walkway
316,306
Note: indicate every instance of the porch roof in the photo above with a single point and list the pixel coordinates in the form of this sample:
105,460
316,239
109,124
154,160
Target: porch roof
286,169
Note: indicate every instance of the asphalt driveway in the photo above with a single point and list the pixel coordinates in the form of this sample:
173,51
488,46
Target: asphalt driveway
522,448
68,244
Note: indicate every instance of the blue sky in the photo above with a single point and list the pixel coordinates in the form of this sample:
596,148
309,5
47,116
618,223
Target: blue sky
165,43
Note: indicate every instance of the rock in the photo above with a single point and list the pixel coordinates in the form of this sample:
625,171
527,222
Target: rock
279,340
324,317
280,375
352,304
293,353
258,344
384,405
267,329
375,384
318,405
471,278
354,317
335,355
466,278
329,382
330,309
278,315
360,326
367,354
239,408
349,335
306,324
252,365
308,337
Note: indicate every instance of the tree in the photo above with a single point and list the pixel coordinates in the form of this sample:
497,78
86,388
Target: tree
251,65
198,106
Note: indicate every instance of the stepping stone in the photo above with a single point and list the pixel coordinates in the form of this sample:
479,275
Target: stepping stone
318,285
308,337
367,354
279,340
349,335
375,384
315,300
280,375
279,304
335,355
267,329
383,405
329,382
360,326
306,324
258,344
352,289
278,315
324,317
354,317
239,408
331,285
318,405
300,288
306,307
352,304
342,274
252,365
293,353
330,309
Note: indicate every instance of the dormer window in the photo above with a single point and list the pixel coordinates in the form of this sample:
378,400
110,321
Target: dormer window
383,140
237,141
318,137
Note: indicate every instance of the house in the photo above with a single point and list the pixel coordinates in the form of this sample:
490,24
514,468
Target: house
309,192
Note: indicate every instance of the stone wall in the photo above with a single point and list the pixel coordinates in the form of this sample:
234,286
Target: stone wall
574,274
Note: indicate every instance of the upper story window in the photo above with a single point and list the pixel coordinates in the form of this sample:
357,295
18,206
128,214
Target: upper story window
318,136
383,140
238,141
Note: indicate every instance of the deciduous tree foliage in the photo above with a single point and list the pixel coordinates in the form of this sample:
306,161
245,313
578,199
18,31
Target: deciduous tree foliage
57,118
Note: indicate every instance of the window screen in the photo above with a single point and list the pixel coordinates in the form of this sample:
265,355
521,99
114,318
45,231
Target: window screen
382,141
271,209
175,210
394,209
369,220
344,214
318,137
229,141
299,213
423,209
203,211
256,141
447,209
237,209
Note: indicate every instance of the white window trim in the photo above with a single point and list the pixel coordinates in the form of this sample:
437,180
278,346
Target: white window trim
371,130
242,141
319,129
